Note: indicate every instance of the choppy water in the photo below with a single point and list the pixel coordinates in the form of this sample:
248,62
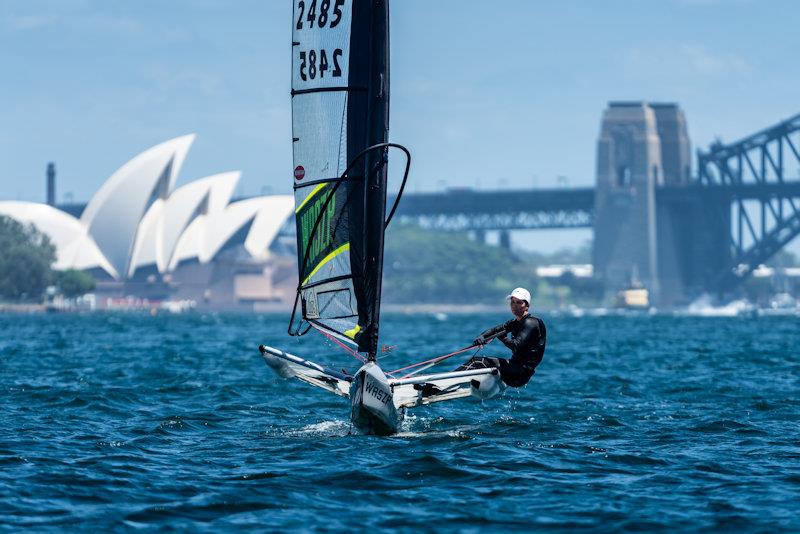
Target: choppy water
631,423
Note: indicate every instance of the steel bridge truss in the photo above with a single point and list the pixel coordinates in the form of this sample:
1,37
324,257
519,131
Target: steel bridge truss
501,210
760,175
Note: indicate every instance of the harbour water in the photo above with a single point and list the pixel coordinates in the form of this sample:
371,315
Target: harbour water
126,421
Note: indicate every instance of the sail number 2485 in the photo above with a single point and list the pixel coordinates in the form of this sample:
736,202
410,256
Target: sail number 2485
325,13
310,67
322,17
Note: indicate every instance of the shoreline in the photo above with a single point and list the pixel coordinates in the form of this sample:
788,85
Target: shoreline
398,309
22,308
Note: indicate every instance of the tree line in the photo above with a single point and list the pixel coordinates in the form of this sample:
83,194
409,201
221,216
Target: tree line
26,259
430,266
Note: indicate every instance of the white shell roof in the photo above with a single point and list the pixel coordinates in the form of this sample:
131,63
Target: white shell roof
115,211
166,220
135,219
207,234
148,238
75,248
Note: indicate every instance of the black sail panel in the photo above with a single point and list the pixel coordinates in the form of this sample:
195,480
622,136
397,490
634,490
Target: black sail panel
368,120
340,99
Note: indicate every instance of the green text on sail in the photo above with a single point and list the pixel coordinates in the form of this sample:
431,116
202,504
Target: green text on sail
323,237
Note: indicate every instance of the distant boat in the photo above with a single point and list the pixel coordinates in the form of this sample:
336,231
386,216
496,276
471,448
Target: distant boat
633,299
635,296
340,122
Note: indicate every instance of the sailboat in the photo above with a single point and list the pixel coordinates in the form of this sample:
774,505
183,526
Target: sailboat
340,123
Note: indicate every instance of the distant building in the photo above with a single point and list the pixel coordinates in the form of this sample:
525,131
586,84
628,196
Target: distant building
580,270
141,237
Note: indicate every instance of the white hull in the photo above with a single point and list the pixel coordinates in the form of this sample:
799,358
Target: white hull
422,390
288,365
378,402
372,408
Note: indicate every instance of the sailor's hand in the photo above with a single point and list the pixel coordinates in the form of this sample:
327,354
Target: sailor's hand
479,341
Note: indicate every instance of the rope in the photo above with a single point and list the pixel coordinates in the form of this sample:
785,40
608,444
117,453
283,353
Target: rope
352,352
433,361
427,364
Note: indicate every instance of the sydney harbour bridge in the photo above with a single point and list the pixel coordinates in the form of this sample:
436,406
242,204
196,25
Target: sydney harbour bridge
681,230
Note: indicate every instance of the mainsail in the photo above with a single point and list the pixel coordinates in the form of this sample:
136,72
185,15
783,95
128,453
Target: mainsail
340,121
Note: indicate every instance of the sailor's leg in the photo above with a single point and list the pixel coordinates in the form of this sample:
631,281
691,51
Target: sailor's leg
515,375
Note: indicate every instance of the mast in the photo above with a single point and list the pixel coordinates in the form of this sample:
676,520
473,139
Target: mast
379,133
371,71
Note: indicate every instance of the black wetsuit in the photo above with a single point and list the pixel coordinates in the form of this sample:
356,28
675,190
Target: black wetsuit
527,343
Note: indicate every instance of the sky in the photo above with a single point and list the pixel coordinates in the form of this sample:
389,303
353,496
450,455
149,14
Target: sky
505,94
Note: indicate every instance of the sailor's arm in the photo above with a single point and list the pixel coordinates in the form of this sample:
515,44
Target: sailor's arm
486,334
528,332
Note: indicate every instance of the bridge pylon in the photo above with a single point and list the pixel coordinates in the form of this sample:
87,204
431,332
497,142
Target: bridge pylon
641,148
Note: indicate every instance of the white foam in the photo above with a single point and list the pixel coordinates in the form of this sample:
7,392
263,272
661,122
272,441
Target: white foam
418,427
330,429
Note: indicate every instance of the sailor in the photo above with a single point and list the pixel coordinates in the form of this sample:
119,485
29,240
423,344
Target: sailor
528,338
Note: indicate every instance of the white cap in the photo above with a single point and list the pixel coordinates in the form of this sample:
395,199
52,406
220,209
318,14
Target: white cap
522,294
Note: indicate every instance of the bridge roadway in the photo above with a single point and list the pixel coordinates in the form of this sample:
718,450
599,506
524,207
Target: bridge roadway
468,209
728,192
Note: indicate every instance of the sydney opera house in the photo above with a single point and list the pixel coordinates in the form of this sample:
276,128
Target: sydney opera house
142,238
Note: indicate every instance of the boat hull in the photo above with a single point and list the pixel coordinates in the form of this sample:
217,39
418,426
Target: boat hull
487,386
377,403
372,408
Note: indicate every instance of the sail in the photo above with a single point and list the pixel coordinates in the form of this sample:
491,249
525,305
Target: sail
340,107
